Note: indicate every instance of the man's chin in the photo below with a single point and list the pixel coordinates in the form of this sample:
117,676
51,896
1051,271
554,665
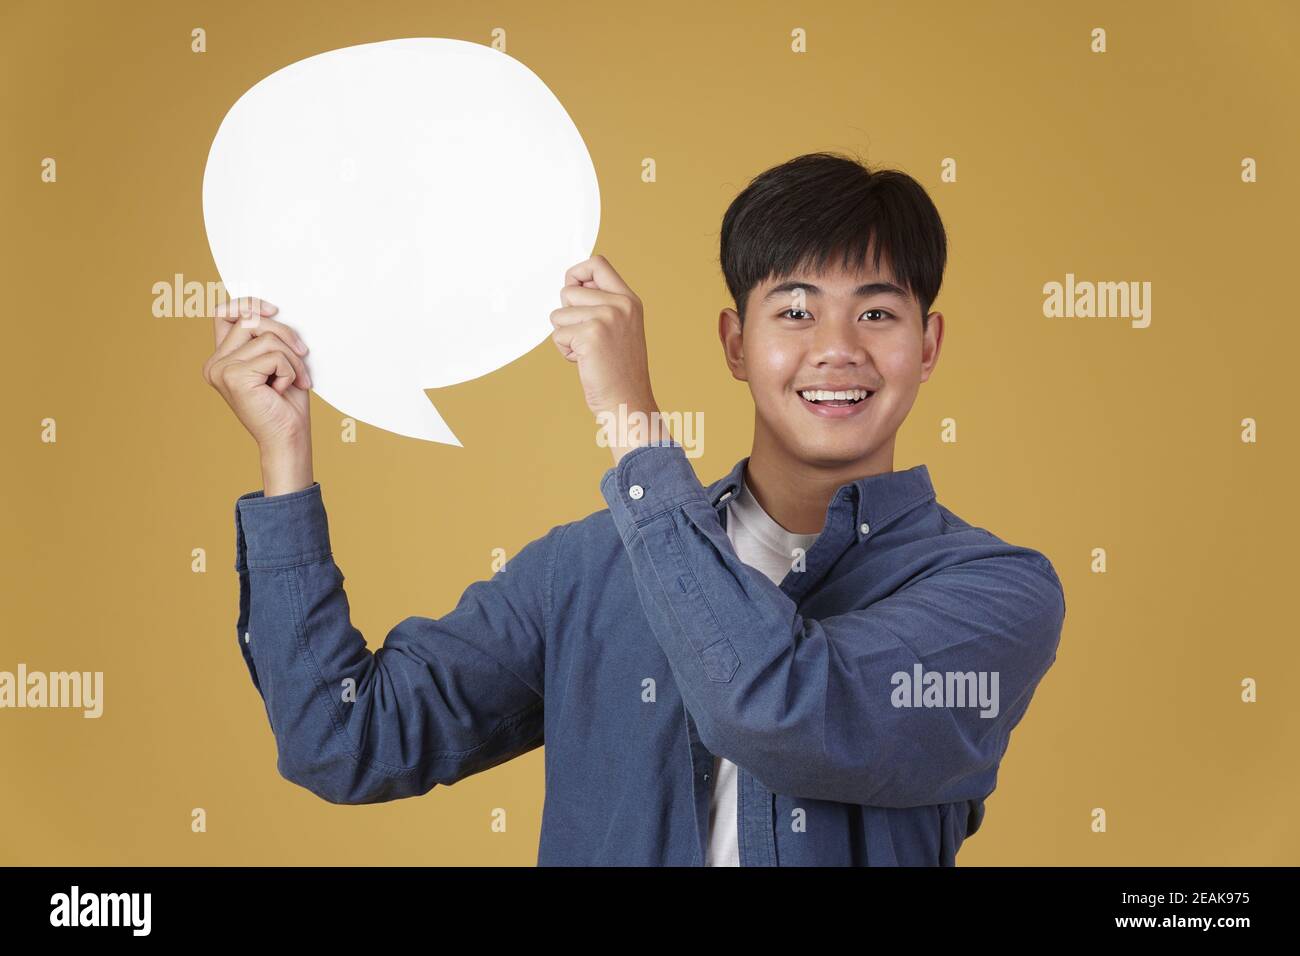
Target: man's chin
833,451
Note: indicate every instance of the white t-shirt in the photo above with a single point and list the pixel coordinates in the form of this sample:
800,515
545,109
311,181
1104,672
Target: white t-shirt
766,546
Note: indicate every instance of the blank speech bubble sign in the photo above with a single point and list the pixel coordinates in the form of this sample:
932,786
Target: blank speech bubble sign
411,206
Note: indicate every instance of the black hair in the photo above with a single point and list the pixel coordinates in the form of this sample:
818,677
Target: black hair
797,216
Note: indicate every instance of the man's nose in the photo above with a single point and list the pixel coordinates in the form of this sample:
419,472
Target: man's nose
838,342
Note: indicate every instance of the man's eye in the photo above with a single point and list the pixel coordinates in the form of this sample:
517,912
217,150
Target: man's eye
786,313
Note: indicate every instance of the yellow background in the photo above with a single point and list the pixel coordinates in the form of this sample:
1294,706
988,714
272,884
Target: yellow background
1073,434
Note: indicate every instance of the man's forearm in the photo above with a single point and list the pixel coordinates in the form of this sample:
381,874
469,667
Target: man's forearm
623,438
287,467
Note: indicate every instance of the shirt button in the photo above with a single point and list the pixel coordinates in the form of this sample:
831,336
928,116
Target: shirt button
636,492
245,637
864,527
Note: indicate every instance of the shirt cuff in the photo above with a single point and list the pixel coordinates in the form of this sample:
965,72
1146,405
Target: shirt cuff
647,481
281,531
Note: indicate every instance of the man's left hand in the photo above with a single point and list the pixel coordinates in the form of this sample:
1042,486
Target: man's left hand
601,328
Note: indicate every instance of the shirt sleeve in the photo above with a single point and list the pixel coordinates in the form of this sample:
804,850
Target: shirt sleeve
440,700
816,707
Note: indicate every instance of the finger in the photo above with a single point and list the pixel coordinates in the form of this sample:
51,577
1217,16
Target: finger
568,339
230,314
562,337
267,341
575,314
569,354
598,270
226,315
260,324
261,305
243,331
236,345
261,367
589,295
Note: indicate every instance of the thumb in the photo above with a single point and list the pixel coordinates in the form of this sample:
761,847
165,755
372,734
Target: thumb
261,367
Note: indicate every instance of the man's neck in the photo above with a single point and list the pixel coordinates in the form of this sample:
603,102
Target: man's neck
796,493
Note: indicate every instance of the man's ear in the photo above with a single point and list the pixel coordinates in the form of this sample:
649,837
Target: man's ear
931,342
731,333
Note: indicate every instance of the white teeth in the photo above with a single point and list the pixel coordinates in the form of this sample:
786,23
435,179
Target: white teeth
822,395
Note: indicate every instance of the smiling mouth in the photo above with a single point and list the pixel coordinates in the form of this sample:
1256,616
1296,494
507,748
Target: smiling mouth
845,399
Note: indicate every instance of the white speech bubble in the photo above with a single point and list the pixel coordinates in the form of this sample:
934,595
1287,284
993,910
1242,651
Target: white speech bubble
411,206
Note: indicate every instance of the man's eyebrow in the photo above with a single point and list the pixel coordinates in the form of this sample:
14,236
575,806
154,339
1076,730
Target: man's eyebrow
869,288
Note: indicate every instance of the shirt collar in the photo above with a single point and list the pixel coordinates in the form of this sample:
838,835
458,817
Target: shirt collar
875,498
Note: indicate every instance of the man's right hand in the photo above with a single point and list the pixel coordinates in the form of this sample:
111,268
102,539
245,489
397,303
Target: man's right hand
258,369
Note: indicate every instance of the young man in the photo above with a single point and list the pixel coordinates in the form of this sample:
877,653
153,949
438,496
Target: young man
807,662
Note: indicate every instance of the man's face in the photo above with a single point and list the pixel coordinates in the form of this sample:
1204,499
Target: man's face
835,330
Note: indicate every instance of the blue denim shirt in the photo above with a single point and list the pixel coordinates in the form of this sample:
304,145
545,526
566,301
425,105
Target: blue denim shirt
636,645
